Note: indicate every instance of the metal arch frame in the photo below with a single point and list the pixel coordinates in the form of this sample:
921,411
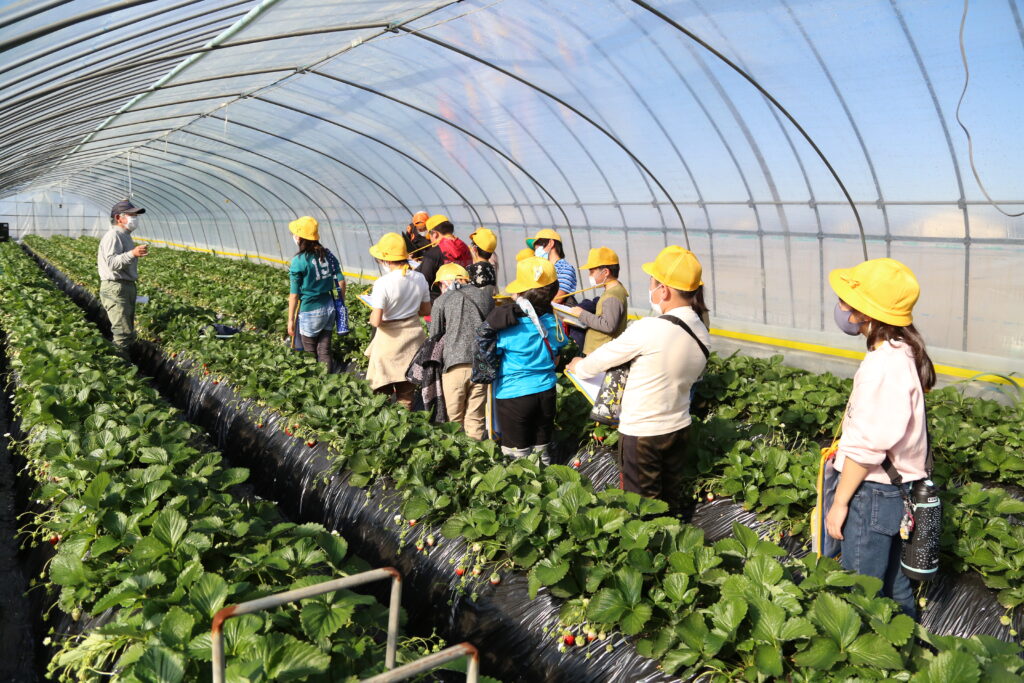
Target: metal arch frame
162,176
956,166
596,45
751,204
330,224
544,151
266,109
465,132
71,136
682,160
163,156
157,106
365,199
157,204
679,27
355,186
164,201
864,150
556,165
94,34
190,31
121,67
248,219
31,107
299,191
100,11
321,152
565,104
763,164
121,97
415,161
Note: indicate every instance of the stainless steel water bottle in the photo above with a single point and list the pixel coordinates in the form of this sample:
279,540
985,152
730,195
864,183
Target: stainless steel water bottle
920,559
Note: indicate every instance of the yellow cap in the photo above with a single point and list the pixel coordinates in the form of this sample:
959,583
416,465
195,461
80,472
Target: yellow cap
545,234
676,267
390,247
436,220
306,227
532,273
485,239
602,256
882,288
524,253
450,271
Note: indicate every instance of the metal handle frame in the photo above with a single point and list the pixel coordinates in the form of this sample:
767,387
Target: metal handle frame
319,589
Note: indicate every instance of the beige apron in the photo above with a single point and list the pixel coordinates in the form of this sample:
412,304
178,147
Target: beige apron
392,350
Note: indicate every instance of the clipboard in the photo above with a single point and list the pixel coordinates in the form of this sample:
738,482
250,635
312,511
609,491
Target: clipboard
588,387
365,298
564,313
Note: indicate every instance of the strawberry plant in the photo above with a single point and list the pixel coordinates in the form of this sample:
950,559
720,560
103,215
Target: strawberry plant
145,523
735,608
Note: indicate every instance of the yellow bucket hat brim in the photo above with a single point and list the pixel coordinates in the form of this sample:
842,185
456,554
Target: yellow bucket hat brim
532,273
857,286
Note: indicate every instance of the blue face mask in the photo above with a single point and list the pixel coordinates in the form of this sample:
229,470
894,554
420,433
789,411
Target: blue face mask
843,321
539,252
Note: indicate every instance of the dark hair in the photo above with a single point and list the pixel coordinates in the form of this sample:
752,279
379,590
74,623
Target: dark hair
482,253
541,297
312,247
879,332
695,297
544,241
445,228
613,270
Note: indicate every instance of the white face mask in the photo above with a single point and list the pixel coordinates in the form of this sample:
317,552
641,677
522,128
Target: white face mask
650,299
595,283
540,253
296,238
131,222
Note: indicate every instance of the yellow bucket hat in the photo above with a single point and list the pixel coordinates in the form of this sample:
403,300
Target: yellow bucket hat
436,220
450,271
882,288
602,256
484,239
390,247
524,253
545,234
676,267
306,227
532,273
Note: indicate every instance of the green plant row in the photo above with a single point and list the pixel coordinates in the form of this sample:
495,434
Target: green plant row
729,609
762,428
144,522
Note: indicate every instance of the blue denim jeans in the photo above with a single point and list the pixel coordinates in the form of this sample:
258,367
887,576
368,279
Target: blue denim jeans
317,320
872,544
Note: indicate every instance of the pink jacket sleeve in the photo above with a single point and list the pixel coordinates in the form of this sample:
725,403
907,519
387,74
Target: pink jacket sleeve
879,414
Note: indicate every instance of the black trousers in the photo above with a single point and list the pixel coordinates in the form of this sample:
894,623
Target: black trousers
659,467
526,421
320,345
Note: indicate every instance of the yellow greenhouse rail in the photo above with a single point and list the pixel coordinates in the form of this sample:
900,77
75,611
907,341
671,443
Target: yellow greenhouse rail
821,349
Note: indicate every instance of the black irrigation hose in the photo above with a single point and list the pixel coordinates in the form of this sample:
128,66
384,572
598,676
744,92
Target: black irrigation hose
785,112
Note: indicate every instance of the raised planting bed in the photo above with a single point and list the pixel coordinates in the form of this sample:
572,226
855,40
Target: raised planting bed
716,610
147,536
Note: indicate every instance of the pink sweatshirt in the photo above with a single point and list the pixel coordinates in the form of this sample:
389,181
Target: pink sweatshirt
886,414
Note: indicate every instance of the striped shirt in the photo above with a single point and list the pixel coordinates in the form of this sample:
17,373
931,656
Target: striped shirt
566,275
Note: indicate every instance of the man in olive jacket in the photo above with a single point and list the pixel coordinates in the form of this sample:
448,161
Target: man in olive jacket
117,261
